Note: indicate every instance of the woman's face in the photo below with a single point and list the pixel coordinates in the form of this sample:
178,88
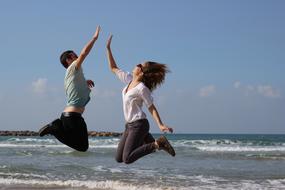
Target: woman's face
138,70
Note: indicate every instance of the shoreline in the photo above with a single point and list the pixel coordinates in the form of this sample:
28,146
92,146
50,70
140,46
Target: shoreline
34,133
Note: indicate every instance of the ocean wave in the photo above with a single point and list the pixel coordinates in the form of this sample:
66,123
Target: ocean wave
178,143
31,140
29,146
225,145
240,149
108,184
213,145
53,143
194,182
220,142
224,184
104,143
52,146
22,175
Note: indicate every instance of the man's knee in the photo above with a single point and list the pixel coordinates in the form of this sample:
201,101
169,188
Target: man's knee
82,148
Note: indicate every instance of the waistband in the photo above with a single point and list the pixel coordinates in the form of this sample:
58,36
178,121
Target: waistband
134,123
71,114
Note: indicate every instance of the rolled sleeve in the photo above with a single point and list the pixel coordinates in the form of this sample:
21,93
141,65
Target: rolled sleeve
146,97
125,77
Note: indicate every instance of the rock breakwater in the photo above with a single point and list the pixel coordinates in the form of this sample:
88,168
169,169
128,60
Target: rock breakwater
33,133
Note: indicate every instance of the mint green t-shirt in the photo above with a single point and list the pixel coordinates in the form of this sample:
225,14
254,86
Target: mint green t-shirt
76,88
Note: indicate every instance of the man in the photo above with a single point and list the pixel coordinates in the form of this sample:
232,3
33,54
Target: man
71,128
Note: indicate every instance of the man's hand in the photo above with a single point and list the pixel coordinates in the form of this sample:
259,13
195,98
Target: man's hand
90,83
87,48
109,42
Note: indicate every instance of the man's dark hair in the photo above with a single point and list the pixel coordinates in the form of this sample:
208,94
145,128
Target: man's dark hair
65,55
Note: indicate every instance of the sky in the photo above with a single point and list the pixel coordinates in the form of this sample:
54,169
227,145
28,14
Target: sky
226,59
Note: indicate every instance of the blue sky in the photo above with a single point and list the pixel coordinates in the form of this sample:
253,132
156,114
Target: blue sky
226,59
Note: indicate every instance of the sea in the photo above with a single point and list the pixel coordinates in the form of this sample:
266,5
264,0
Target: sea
202,161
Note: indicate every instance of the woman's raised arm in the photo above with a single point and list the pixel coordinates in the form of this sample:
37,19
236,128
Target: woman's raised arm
112,63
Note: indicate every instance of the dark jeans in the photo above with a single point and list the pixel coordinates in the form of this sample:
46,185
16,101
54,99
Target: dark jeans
135,142
71,130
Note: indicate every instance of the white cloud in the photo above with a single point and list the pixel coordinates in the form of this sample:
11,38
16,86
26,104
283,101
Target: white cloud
237,84
40,86
268,91
207,91
264,90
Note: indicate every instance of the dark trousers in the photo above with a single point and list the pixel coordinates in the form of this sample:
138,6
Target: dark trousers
135,142
71,130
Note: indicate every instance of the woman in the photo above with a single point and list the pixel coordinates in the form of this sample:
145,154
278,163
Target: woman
136,140
71,128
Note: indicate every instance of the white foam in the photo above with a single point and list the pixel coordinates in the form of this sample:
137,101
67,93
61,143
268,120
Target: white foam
193,143
99,168
103,143
112,185
103,146
241,149
29,146
116,170
222,142
53,143
196,182
17,175
201,182
7,145
213,145
32,140
277,183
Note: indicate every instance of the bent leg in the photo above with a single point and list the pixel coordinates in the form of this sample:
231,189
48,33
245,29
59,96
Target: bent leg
70,130
120,149
75,132
148,139
51,128
134,146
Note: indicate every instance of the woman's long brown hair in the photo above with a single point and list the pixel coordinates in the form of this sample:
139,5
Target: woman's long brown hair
154,74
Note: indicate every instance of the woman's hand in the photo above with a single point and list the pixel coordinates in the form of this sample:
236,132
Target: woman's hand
164,128
112,63
96,34
109,42
90,83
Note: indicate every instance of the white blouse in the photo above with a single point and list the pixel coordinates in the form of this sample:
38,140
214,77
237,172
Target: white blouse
134,98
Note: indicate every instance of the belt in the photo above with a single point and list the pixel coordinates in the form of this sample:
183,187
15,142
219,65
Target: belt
71,114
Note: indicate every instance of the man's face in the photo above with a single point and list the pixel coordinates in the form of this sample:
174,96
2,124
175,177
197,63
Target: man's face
72,57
